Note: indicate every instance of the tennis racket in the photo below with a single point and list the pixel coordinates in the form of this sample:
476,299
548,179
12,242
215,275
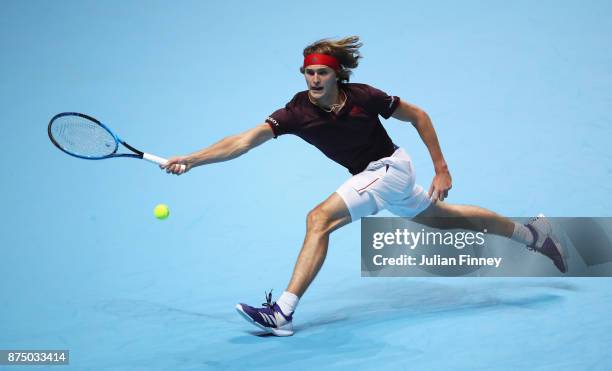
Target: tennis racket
83,136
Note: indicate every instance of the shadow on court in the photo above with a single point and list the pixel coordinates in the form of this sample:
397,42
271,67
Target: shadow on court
360,325
372,304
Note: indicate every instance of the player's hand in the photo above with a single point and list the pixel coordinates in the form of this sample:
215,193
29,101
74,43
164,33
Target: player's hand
441,184
177,165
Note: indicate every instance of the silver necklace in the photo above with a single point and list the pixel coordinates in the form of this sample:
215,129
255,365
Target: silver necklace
333,107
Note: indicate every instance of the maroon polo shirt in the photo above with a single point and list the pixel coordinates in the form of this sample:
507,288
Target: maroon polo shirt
353,137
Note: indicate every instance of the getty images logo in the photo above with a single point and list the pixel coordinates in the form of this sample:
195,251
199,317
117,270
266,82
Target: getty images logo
272,120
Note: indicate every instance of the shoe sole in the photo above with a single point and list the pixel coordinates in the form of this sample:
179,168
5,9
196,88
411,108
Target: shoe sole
562,252
276,332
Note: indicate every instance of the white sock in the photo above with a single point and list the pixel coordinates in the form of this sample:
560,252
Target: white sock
522,234
287,302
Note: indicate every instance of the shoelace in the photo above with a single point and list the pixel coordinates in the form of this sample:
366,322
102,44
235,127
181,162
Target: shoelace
268,302
532,247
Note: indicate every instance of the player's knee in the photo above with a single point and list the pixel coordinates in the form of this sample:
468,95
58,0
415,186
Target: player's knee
318,221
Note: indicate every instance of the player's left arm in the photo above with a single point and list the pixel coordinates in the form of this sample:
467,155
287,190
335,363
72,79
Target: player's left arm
442,181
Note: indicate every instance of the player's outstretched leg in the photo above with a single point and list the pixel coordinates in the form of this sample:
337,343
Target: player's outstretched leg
276,317
536,235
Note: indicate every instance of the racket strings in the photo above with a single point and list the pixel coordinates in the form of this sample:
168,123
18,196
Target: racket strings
82,137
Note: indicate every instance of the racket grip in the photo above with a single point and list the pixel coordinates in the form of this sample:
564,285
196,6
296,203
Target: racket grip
157,160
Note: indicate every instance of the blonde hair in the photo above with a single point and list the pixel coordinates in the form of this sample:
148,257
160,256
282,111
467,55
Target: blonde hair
346,50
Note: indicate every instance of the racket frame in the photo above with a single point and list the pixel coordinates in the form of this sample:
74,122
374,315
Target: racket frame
137,153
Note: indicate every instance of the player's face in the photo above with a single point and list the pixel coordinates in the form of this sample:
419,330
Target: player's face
321,81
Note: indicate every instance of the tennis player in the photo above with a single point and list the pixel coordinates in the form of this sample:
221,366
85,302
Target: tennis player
342,120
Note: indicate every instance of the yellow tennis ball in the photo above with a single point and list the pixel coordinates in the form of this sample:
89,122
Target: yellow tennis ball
161,211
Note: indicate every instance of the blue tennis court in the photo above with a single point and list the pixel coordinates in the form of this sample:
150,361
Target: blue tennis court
519,94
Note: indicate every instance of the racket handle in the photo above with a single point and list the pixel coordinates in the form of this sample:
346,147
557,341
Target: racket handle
157,160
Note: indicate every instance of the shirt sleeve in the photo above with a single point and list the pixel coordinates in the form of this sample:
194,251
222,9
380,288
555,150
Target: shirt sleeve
380,102
282,121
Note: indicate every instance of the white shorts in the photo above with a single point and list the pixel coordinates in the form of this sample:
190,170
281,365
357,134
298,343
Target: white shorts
388,183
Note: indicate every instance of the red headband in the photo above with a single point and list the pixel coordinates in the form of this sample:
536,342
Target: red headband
324,59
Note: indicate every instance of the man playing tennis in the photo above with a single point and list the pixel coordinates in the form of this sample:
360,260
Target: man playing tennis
342,120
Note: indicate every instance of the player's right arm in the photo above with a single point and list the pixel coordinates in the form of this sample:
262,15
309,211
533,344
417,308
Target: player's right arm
226,149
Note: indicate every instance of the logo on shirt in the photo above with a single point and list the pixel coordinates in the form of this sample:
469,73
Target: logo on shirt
356,111
272,120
